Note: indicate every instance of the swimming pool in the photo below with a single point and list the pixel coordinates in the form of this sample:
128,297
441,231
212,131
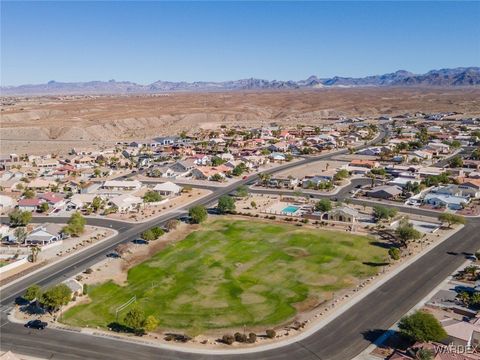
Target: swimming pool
290,209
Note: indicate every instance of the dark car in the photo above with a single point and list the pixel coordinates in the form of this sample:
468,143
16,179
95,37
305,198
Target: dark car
113,255
140,242
36,324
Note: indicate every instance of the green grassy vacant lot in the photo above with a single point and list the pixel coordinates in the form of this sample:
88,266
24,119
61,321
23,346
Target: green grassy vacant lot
236,272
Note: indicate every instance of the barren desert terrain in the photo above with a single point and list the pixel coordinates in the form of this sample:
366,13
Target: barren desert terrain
54,123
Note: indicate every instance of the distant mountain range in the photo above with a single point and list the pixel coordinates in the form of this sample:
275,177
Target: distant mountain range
465,76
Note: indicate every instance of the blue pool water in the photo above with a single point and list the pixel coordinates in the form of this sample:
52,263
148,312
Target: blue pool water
290,209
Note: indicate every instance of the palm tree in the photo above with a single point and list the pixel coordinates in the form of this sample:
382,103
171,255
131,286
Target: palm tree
464,297
34,250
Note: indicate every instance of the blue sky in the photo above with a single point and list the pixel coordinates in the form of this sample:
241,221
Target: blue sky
148,41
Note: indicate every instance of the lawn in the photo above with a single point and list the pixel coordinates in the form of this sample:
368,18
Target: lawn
232,273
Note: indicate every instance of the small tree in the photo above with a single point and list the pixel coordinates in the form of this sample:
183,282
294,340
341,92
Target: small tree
20,218
28,194
171,224
97,203
44,207
135,318
451,219
253,204
383,213
216,177
422,327
148,235
56,297
456,162
198,214
226,204
406,232
151,323
323,205
242,191
157,232
76,225
34,250
33,292
464,297
152,196
341,174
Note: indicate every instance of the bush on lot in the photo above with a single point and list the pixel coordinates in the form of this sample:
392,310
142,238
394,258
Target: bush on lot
252,338
228,339
157,231
394,253
241,338
422,326
198,214
271,333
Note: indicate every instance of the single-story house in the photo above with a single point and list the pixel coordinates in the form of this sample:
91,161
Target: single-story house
29,204
126,202
283,182
44,234
125,185
53,200
183,168
206,172
369,164
161,171
275,156
462,333
6,202
385,192
40,184
343,214
403,181
448,201
168,189
77,201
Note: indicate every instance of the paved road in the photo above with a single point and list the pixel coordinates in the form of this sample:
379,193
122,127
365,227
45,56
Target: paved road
129,231
341,339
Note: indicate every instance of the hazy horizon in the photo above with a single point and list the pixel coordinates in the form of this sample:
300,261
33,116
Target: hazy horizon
144,42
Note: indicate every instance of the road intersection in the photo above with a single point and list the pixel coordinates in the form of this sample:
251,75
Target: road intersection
343,338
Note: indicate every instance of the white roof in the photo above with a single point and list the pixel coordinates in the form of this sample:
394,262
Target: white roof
6,200
126,200
168,186
122,183
403,181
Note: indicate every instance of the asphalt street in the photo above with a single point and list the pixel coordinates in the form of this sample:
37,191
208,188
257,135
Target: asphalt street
341,339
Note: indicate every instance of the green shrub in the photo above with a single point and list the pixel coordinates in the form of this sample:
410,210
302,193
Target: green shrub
228,339
271,333
394,253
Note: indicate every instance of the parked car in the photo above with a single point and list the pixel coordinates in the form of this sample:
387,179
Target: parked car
36,324
140,241
113,255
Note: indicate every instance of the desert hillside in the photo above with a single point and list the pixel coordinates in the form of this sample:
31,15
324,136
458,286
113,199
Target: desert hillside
50,123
